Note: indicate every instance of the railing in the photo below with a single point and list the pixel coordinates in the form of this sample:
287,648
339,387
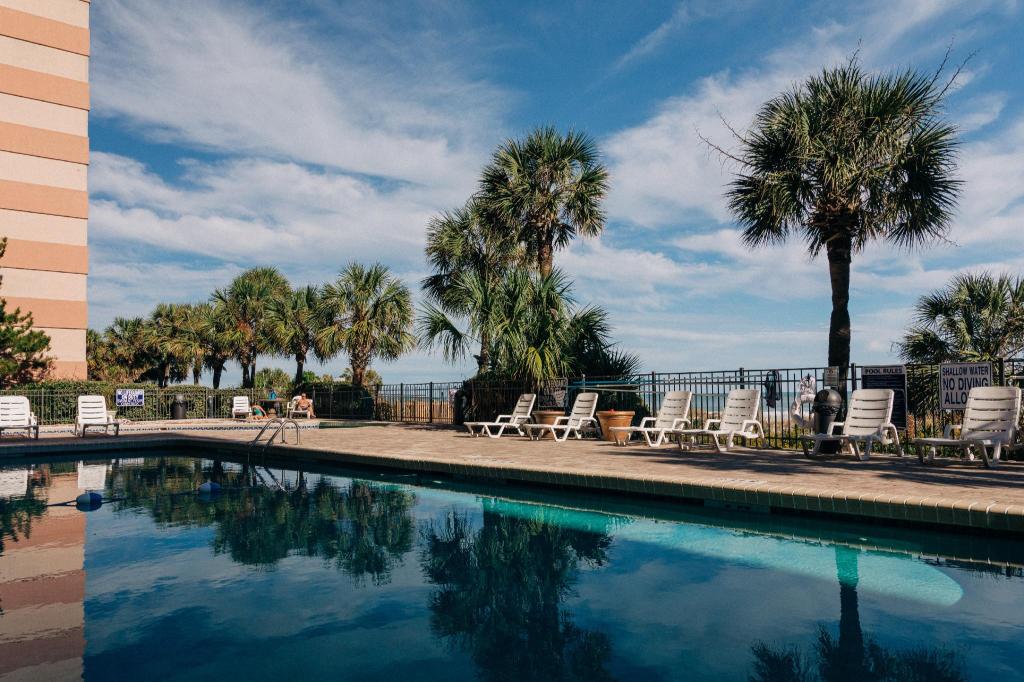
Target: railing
60,406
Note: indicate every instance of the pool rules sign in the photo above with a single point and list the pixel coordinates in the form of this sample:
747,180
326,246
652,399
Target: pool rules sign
956,379
894,377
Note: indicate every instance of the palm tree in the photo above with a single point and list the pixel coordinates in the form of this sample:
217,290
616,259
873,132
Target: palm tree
842,160
190,344
368,314
220,339
977,317
548,188
294,322
469,252
245,303
165,332
130,349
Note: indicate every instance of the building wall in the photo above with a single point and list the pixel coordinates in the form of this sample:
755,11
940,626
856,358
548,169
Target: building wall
44,161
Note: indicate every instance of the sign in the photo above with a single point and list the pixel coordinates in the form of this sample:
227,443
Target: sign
889,376
831,376
130,397
956,379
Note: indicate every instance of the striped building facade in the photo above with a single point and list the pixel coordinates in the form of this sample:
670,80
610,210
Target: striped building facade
44,157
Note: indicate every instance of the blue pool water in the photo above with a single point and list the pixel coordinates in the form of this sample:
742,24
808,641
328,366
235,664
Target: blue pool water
322,573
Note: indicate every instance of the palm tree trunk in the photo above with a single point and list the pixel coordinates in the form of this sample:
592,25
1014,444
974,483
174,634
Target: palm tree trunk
197,371
851,636
545,251
483,361
358,372
839,252
300,362
217,370
245,374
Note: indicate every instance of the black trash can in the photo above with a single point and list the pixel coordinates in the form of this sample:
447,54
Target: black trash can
179,407
827,403
460,401
211,406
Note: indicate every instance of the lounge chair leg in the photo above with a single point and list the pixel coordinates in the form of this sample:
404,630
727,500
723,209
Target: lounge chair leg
863,456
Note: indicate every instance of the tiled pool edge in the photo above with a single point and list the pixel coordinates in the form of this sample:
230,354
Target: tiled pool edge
959,514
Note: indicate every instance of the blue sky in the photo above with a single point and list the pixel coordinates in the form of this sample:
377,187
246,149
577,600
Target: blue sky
305,134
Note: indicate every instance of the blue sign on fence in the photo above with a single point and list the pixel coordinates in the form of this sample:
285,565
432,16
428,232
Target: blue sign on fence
130,397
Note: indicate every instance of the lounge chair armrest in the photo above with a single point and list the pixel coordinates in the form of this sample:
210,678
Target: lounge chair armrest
747,423
832,428
680,423
502,418
950,428
561,420
647,420
708,423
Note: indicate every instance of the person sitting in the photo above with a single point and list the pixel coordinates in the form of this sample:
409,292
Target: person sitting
304,404
258,412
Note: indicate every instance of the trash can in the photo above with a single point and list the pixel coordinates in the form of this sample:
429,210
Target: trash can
178,407
827,403
211,406
460,401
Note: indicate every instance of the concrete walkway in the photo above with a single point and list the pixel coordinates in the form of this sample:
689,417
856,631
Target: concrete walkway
952,494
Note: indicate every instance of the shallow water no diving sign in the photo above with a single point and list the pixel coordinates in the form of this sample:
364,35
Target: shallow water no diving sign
130,397
956,379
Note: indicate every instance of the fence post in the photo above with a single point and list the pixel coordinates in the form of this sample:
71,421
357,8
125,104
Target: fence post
743,380
853,376
401,402
431,402
654,393
1002,371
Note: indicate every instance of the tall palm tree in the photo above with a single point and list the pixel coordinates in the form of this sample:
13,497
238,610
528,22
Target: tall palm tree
294,323
368,314
166,329
190,344
976,317
844,159
548,188
220,337
245,302
469,251
130,349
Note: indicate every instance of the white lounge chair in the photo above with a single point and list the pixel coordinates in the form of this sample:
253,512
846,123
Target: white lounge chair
991,419
292,410
674,414
240,407
16,415
738,418
521,414
868,421
92,414
581,417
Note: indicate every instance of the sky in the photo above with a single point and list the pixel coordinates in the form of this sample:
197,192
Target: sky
306,134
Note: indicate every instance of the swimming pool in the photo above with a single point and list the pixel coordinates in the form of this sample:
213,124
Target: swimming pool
318,572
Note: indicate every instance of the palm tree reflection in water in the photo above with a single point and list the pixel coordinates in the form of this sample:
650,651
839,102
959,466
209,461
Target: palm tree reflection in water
363,528
851,658
500,593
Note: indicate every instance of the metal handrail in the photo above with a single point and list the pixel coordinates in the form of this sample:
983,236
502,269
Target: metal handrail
280,425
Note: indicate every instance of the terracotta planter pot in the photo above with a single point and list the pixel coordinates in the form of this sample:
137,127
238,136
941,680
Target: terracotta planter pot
612,418
547,417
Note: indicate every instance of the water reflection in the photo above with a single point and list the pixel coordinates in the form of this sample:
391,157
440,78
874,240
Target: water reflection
850,657
500,595
361,528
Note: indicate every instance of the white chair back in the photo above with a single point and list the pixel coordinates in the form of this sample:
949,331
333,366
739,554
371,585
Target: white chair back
524,406
240,403
92,409
15,411
992,413
740,405
583,408
675,405
870,409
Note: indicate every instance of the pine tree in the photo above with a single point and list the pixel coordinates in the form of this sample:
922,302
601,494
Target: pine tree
23,350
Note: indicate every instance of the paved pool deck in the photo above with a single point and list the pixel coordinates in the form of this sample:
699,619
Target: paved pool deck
955,494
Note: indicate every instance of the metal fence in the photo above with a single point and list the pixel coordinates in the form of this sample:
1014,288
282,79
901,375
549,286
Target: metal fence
435,402
60,406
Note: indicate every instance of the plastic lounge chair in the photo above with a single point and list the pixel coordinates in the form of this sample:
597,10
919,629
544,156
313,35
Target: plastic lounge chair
292,410
674,414
240,406
868,421
991,420
581,417
739,418
92,414
520,415
16,415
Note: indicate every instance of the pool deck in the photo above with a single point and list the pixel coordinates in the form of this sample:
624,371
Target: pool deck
886,487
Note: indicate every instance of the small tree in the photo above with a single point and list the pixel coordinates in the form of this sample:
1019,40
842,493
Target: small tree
23,350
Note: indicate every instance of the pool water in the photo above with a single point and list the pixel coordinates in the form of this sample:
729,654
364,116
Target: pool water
326,573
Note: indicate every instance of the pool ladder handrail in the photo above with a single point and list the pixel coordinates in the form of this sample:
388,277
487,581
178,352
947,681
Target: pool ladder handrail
280,424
